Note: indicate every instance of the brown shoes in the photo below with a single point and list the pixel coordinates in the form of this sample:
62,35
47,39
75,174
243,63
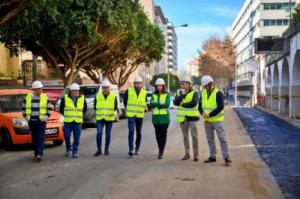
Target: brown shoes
196,159
186,157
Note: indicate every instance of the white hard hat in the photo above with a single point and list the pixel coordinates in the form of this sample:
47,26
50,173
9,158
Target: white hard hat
105,83
37,85
160,81
74,87
206,79
137,79
186,79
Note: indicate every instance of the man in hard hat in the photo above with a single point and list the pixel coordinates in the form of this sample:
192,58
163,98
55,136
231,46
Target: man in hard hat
211,107
73,106
135,101
37,110
105,104
186,100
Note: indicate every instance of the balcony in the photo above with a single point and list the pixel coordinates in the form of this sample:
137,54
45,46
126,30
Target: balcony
246,82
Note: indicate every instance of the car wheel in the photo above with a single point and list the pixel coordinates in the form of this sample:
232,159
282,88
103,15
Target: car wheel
58,142
7,142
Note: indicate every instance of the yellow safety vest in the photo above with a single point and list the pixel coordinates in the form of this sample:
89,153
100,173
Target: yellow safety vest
43,106
72,113
136,105
162,98
210,104
190,112
105,108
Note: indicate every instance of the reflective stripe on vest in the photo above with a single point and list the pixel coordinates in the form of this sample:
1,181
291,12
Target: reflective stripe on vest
105,108
190,112
162,98
136,104
210,104
42,106
72,113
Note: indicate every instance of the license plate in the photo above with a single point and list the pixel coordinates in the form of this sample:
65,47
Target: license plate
51,131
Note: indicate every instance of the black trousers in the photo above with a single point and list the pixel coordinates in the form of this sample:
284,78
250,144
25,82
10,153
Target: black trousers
161,135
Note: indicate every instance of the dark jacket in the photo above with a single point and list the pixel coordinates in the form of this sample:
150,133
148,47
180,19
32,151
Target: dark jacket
62,105
178,99
220,104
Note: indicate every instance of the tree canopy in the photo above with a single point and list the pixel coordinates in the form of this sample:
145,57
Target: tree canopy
74,34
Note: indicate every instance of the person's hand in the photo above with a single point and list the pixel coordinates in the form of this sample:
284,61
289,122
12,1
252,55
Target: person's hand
52,107
183,91
206,116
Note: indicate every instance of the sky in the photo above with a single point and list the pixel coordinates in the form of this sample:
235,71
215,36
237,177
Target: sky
204,17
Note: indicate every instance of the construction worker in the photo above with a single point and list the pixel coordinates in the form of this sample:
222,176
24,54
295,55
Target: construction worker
135,102
186,100
160,102
73,106
211,107
105,104
36,110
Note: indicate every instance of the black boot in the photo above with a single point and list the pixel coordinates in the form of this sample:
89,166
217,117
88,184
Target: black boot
160,155
210,160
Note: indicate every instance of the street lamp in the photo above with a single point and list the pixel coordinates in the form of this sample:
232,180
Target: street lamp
184,26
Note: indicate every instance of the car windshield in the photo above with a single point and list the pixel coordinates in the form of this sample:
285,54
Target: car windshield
11,103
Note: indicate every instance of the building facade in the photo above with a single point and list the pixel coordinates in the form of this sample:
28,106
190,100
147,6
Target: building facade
257,18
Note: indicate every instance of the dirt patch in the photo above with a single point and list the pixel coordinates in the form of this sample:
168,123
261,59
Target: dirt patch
185,179
251,174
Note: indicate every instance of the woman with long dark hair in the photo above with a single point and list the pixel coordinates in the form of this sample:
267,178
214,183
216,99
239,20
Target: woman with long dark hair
160,102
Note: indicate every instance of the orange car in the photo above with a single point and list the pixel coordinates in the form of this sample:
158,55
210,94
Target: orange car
14,128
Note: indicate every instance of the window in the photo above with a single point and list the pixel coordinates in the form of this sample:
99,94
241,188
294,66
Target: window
278,6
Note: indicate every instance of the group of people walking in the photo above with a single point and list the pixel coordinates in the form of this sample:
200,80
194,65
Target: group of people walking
190,105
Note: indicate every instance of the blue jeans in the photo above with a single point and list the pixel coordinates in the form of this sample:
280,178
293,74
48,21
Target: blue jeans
68,129
37,129
108,126
138,123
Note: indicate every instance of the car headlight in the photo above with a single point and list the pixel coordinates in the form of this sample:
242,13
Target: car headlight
90,105
20,123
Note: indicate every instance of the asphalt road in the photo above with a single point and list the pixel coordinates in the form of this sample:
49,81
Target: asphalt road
118,177
278,143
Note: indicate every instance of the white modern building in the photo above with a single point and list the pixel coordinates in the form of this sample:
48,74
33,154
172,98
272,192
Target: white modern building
257,18
172,48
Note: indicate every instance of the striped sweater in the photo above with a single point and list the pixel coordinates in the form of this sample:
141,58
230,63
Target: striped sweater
35,108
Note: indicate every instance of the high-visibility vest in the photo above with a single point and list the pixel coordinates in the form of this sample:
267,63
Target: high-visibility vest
43,106
162,98
189,112
72,113
136,105
209,104
105,108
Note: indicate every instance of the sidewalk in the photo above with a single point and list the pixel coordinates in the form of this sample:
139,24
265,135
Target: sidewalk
248,177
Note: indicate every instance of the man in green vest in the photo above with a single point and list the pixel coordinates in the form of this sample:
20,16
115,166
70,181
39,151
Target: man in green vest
36,110
135,101
105,104
186,100
211,107
73,106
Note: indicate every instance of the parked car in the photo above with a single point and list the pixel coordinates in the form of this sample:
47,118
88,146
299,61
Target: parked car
14,128
89,91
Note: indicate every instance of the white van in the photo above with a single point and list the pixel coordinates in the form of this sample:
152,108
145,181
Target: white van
89,91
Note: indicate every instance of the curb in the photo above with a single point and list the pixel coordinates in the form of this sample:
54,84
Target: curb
292,122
